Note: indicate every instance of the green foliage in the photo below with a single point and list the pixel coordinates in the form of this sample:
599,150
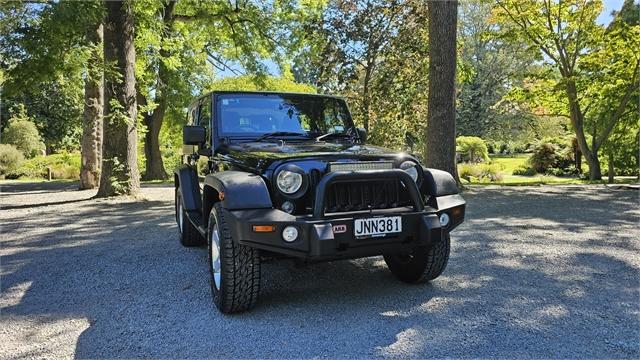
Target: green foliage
253,83
375,54
472,149
480,172
554,156
10,159
62,166
597,68
44,59
543,157
23,133
494,66
524,171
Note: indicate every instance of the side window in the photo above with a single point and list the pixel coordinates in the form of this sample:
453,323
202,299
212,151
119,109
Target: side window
204,119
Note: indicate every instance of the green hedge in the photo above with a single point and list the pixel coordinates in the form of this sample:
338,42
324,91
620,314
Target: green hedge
63,166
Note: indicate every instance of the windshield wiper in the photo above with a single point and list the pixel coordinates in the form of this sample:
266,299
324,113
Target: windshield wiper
279,133
332,135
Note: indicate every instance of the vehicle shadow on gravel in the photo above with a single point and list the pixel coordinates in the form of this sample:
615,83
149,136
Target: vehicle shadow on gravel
531,275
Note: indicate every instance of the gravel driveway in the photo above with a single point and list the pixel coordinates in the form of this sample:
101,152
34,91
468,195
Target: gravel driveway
548,272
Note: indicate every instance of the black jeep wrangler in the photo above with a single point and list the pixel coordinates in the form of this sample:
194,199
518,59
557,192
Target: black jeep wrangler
290,176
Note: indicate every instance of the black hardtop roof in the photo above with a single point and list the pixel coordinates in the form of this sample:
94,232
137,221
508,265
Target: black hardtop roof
273,93
243,92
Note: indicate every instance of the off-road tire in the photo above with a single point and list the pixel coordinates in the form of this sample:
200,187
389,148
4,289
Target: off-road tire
189,235
423,264
239,267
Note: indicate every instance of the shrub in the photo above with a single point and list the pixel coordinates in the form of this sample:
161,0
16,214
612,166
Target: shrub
482,172
171,161
490,172
491,147
568,171
468,171
63,166
555,152
23,134
543,157
505,149
10,159
524,171
555,172
472,149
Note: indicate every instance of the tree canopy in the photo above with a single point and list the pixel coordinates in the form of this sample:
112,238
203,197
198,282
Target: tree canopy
526,70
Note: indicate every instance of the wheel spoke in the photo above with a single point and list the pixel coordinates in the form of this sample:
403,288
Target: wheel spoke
180,217
215,256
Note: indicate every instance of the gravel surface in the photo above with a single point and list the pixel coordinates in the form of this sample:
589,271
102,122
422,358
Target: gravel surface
549,272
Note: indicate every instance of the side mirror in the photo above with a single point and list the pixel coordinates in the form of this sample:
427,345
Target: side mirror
194,135
362,134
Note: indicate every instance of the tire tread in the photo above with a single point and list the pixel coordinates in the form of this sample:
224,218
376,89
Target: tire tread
241,270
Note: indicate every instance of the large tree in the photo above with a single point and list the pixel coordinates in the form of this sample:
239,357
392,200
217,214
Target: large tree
91,150
351,40
440,131
180,43
488,68
120,157
45,54
598,69
51,51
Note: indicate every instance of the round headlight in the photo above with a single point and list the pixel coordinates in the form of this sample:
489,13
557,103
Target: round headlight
288,181
410,168
287,207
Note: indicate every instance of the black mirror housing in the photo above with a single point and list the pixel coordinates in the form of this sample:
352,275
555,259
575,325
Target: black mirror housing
194,135
362,134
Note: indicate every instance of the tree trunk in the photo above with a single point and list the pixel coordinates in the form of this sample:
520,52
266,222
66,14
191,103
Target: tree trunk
92,119
610,169
119,164
577,155
440,133
154,166
577,121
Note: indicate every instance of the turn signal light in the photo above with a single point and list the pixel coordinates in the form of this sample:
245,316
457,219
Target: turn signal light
456,211
264,228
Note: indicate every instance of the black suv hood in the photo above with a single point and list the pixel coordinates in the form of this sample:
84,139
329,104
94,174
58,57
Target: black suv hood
262,154
283,150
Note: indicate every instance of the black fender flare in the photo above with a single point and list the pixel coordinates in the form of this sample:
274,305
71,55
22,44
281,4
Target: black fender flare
239,190
186,179
443,195
438,183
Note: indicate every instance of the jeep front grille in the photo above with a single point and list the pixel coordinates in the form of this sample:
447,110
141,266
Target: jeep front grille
364,195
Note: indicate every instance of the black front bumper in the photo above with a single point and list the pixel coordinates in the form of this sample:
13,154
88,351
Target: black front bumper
318,240
331,236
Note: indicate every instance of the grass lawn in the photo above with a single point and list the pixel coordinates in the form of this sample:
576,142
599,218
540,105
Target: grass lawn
508,163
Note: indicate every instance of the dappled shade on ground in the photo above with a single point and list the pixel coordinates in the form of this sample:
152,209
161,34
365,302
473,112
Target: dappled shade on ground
535,272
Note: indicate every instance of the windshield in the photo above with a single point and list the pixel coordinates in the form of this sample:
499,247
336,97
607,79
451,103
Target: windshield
254,115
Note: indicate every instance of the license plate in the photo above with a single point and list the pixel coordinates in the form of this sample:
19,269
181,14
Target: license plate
377,227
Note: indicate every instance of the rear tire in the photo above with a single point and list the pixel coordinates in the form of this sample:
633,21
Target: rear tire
189,234
422,264
234,268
